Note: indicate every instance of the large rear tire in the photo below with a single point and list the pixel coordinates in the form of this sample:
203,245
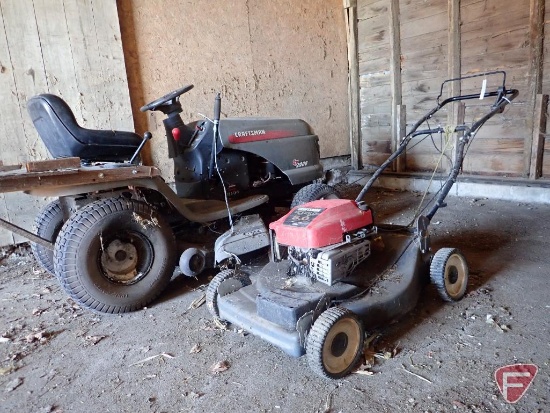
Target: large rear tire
115,255
449,273
47,225
314,192
335,343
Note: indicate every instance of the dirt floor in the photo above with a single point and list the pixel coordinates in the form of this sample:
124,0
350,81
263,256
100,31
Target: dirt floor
171,357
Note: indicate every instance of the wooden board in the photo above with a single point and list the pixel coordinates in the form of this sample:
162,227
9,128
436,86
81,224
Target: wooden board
51,180
415,11
546,159
369,8
431,24
52,165
474,11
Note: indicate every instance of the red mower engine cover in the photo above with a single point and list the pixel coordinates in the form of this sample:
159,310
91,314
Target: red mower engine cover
320,223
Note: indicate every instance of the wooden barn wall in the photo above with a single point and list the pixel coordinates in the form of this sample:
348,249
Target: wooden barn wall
274,58
406,48
546,88
70,48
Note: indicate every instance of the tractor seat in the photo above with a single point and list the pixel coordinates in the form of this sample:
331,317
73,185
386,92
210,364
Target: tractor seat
63,137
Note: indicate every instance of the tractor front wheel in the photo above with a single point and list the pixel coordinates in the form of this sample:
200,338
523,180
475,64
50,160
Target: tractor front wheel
314,192
335,343
115,255
192,262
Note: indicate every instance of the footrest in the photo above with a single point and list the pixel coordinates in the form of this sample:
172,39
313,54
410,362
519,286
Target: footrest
212,210
284,307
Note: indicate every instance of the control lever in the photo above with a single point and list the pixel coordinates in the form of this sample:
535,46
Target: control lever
216,122
146,136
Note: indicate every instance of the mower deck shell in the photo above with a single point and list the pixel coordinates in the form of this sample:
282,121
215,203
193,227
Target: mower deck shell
380,290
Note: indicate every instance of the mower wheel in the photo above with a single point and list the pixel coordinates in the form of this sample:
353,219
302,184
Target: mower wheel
115,255
47,225
449,273
225,282
335,343
314,192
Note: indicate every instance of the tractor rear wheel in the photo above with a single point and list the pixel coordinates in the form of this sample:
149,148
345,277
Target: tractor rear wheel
225,282
115,255
335,343
47,225
314,192
449,273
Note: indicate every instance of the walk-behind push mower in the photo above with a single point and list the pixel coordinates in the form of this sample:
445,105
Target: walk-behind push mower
334,274
113,235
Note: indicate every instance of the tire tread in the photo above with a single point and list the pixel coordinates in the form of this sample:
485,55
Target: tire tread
68,243
316,339
50,215
437,271
313,192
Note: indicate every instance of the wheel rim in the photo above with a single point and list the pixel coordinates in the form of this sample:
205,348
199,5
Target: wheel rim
341,345
455,275
196,263
125,258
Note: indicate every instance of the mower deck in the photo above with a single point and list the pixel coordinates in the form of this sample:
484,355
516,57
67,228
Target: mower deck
280,309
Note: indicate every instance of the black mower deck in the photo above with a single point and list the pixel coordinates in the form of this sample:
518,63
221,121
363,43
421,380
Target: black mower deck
280,309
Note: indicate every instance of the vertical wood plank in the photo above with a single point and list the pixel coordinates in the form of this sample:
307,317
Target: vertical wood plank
28,73
401,162
536,54
395,75
11,118
25,77
56,50
116,91
539,132
10,111
350,10
85,54
454,70
100,72
460,120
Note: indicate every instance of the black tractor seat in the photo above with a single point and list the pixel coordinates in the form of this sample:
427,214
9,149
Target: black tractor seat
63,137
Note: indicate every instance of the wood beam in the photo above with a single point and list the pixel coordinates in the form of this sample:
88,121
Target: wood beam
454,69
536,59
395,77
350,12
401,162
539,134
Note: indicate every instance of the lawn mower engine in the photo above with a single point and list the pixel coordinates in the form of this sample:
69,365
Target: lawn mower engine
326,239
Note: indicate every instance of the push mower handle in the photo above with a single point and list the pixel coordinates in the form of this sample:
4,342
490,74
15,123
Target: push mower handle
484,74
504,97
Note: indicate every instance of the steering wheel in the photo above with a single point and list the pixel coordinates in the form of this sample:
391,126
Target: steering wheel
160,101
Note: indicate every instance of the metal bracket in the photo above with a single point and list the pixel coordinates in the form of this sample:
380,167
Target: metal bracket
26,234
